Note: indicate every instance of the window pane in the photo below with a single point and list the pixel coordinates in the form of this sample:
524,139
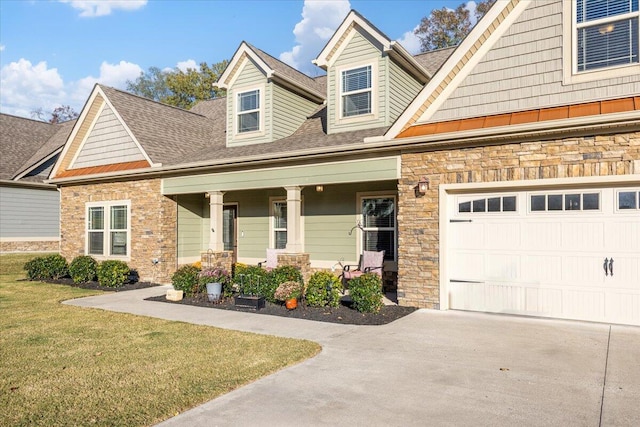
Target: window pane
572,202
228,231
607,45
493,204
118,217
280,215
356,104
248,122
280,239
96,218
555,202
249,100
627,200
464,207
479,205
509,204
96,243
118,243
591,201
378,213
357,79
380,241
538,203
588,10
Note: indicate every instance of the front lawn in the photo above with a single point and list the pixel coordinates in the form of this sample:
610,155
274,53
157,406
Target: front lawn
64,365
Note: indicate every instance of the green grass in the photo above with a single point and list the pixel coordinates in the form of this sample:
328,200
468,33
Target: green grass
64,365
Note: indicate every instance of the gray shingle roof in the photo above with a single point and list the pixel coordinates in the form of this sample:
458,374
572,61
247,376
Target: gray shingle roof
21,141
433,60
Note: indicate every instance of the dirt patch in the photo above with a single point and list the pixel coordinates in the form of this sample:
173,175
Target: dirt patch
342,314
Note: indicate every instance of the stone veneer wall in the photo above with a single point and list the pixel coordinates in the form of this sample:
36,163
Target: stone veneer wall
418,222
153,224
300,261
221,259
30,246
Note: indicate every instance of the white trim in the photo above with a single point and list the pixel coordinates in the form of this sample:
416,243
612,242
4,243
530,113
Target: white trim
29,239
453,61
373,115
106,205
261,88
570,74
243,48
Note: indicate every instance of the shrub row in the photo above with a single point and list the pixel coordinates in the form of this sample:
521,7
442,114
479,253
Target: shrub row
82,269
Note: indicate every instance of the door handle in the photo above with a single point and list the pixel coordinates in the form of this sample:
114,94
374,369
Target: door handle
606,266
611,266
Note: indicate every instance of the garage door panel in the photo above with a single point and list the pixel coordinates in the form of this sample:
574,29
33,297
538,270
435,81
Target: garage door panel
467,296
503,266
623,307
466,235
503,235
472,265
544,302
543,268
541,236
581,235
582,270
583,305
626,273
623,235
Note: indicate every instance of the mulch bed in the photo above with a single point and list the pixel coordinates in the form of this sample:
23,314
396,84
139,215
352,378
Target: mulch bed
95,285
342,314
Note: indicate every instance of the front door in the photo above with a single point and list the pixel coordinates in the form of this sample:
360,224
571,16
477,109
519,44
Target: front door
229,226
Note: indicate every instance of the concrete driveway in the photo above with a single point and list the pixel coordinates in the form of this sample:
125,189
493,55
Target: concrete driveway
429,368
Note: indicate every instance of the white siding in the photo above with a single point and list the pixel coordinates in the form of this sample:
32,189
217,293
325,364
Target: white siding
523,71
28,212
108,143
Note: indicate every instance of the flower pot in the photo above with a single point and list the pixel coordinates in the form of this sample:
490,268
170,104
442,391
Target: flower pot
214,291
291,303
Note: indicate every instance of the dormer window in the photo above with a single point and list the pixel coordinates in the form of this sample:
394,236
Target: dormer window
356,91
606,33
249,111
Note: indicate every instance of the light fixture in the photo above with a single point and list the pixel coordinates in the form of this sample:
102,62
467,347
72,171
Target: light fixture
319,188
423,185
606,29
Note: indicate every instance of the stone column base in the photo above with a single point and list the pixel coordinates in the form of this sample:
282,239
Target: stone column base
300,261
218,259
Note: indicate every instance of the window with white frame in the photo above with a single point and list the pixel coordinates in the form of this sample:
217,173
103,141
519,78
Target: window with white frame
248,111
356,91
606,34
108,229
379,230
279,224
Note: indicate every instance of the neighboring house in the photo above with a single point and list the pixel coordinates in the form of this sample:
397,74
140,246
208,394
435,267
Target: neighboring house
497,176
29,208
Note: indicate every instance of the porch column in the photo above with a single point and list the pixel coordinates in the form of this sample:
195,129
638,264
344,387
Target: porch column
215,221
294,226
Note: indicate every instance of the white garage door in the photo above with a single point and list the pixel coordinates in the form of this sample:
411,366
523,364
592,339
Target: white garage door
572,253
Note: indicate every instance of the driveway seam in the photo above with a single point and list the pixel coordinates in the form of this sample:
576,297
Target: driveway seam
604,381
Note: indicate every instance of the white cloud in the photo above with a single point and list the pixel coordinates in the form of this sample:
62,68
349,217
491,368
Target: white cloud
410,41
2,48
93,8
27,87
186,65
320,18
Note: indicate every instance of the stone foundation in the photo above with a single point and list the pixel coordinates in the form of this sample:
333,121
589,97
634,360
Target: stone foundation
30,246
418,221
222,259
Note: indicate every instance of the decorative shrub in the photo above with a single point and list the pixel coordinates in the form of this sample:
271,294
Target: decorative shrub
186,279
83,269
366,293
48,267
113,273
288,290
36,269
253,280
284,273
323,290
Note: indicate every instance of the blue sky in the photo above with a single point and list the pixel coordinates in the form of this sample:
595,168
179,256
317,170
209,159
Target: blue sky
52,52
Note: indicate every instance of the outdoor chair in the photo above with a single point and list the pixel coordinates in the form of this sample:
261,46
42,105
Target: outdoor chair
370,262
272,259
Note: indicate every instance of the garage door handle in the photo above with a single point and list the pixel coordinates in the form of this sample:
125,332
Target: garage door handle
611,266
606,266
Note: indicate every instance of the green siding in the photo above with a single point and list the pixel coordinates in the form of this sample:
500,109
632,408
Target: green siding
402,89
289,111
190,225
370,170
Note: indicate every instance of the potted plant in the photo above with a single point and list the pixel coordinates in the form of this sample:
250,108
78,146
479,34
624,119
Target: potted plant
213,279
289,292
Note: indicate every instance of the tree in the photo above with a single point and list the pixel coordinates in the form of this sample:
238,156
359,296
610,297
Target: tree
446,27
179,88
59,114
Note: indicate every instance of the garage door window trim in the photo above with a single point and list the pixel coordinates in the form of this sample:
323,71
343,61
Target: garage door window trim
570,201
487,204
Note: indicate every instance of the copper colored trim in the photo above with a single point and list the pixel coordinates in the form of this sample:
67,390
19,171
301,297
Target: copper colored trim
104,169
531,116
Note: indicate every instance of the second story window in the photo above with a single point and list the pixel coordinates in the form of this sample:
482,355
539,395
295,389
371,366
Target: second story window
606,33
356,91
249,111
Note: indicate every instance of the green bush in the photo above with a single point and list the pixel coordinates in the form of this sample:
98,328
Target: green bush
323,290
113,273
279,275
46,268
366,293
83,269
186,279
253,280
35,269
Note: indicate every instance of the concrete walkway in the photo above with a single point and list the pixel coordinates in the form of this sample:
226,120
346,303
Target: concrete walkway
429,368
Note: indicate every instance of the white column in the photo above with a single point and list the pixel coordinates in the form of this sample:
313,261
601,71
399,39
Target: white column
215,221
294,220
